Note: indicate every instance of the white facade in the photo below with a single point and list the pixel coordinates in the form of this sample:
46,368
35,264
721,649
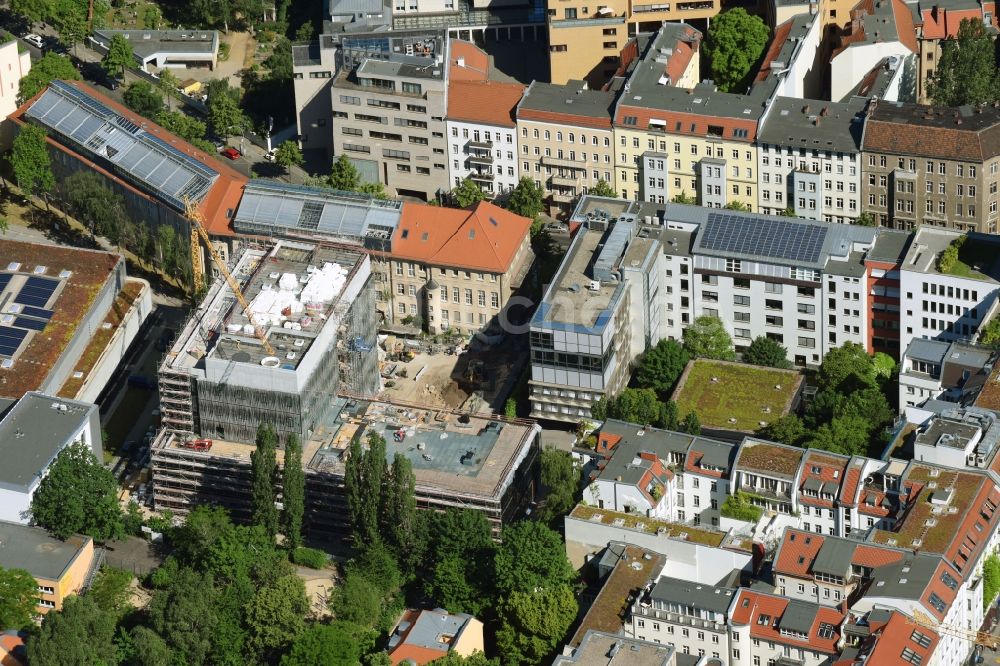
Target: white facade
817,184
14,66
849,66
485,153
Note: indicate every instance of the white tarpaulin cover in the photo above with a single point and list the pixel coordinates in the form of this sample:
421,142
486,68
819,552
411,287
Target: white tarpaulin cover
322,287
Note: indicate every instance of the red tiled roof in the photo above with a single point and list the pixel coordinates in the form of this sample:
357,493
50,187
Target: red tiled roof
855,30
679,122
888,641
943,23
222,198
8,644
874,557
467,62
487,102
797,552
485,238
849,488
749,605
780,37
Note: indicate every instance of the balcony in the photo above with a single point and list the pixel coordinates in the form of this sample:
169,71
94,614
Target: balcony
481,159
482,176
563,197
562,181
479,145
548,160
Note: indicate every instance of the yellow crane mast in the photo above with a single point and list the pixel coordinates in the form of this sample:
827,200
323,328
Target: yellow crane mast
198,230
983,638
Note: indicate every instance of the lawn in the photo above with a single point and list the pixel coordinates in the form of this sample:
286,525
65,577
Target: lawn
975,260
719,391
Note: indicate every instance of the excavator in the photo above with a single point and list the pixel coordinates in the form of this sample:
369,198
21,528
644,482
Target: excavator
193,214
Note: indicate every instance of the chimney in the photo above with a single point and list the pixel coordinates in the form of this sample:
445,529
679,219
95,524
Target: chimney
805,109
824,111
461,61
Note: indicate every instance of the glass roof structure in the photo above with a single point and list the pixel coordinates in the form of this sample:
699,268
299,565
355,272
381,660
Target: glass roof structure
271,208
136,155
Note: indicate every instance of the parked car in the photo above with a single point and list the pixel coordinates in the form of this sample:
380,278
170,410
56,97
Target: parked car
34,40
231,153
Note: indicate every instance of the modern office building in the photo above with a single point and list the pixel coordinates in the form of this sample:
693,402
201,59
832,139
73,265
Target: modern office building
311,333
164,48
599,313
32,434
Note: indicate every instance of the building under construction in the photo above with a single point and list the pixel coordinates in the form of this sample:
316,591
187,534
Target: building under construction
308,331
487,464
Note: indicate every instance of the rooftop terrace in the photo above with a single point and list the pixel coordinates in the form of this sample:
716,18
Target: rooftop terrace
768,458
703,536
978,258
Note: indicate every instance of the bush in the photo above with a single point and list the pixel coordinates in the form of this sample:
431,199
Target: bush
738,508
310,557
223,52
947,260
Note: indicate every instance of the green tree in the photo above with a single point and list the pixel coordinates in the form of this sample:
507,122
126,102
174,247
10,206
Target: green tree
400,514
533,622
293,493
684,198
119,57
288,155
460,558
111,590
602,189
669,416
884,366
691,425
186,615
989,334
707,338
846,367
263,472
150,649
365,473
632,405
475,659
36,10
467,193
787,429
168,85
276,614
143,98
844,434
864,220
991,579
375,190
18,598
368,594
44,71
661,366
72,25
78,496
510,408
30,160
738,205
733,46
204,528
966,73
738,507
766,352
92,202
530,556
527,199
225,117
562,480
336,644
345,175
81,633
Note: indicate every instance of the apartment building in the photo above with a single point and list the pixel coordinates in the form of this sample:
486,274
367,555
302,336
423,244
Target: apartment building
688,616
936,370
882,263
390,99
578,27
932,166
14,66
565,138
947,305
456,270
61,568
33,432
313,69
809,159
598,314
875,30
482,133
940,21
704,140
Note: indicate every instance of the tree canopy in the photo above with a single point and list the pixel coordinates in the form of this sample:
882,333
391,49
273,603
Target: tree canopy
293,493
637,406
225,117
733,46
602,189
467,193
706,337
562,480
44,71
288,155
31,162
263,474
119,57
966,73
345,175
81,633
78,496
144,99
18,598
661,366
767,352
527,199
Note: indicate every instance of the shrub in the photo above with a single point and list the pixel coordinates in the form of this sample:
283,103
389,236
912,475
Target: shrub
309,557
738,508
223,51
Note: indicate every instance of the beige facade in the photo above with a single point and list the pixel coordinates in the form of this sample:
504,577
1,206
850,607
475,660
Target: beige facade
586,38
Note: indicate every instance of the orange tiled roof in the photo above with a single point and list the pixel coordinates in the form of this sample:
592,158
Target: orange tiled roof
906,32
10,642
942,23
749,605
487,102
485,238
797,552
874,557
888,641
224,195
467,62
780,37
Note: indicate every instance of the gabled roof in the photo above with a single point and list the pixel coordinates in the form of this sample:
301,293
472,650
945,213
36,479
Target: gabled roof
888,641
486,102
467,62
879,21
485,238
768,614
939,22
952,133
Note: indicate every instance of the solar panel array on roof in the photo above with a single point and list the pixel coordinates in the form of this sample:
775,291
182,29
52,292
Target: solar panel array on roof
141,157
765,237
11,339
36,292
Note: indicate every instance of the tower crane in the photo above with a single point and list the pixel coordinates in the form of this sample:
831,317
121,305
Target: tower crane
983,638
198,231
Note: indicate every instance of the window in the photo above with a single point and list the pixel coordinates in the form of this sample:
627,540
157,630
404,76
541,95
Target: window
920,639
825,630
912,657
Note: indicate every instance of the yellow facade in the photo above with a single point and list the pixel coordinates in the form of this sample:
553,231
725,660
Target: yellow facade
683,156
586,37
53,593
